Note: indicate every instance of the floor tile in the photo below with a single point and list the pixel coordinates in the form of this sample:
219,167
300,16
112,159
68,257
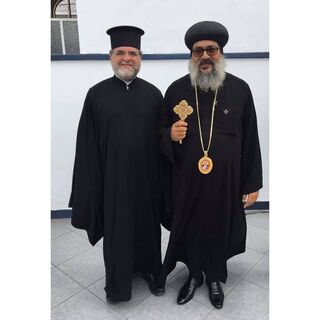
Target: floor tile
100,243
85,268
166,308
66,223
62,287
257,239
259,220
245,302
265,310
215,314
83,233
140,291
83,306
179,267
67,246
80,232
58,228
262,317
97,288
259,274
165,234
246,290
242,263
164,245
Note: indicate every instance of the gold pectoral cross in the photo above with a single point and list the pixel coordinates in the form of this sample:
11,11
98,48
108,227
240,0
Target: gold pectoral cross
183,110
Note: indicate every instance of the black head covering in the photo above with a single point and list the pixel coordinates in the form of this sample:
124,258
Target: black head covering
206,30
125,36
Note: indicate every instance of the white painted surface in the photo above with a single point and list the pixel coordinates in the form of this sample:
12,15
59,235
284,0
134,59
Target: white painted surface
72,79
166,21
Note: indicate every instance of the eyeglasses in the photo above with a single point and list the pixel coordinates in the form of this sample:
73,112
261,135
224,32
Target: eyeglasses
131,54
211,51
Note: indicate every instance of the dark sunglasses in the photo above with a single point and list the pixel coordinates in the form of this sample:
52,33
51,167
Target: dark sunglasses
211,51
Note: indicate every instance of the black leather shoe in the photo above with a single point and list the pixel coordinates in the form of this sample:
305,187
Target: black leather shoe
216,294
155,290
187,291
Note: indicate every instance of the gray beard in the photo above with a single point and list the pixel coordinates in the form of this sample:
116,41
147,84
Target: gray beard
124,74
208,81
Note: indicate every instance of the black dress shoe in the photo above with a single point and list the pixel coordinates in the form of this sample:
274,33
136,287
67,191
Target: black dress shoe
187,291
155,290
216,294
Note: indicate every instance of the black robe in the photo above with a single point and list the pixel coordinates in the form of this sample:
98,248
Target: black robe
116,189
209,224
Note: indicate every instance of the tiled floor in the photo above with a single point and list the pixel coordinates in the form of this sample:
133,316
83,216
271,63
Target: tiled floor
77,282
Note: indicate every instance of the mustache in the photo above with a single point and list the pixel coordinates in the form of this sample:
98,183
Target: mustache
206,61
126,64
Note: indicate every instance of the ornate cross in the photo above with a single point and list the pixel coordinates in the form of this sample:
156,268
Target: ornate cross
183,109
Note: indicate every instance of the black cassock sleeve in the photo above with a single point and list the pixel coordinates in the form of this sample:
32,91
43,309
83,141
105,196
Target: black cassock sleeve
86,197
251,166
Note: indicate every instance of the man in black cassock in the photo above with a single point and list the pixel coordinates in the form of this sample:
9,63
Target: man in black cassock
209,134
116,189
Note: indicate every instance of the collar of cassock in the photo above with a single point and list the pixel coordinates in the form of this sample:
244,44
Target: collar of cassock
126,82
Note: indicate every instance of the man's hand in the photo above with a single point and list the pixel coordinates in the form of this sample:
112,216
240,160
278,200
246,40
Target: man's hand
249,199
178,130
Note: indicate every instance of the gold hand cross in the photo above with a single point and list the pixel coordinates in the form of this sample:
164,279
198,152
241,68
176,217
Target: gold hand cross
183,110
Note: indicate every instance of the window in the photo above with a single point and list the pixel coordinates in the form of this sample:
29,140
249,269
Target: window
64,27
63,9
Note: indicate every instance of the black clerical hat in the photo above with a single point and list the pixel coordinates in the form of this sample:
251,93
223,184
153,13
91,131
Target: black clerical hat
206,30
125,36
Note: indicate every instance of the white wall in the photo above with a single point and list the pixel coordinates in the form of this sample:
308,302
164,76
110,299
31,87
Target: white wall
166,21
72,79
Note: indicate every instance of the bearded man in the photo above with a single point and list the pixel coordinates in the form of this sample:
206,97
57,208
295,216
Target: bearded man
116,190
215,161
